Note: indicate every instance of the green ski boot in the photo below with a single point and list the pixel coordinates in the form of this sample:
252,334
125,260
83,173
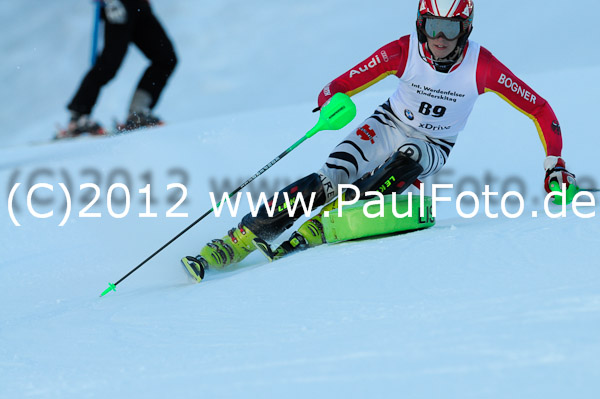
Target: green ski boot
232,248
218,253
309,235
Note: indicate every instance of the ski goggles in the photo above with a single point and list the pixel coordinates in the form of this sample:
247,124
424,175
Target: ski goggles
450,28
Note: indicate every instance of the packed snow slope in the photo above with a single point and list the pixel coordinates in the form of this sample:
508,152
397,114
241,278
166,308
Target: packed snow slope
470,308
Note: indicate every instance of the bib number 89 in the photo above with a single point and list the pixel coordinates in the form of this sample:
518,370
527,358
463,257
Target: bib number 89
437,111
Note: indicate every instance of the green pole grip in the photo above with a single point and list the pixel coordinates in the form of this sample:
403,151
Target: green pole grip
336,113
568,196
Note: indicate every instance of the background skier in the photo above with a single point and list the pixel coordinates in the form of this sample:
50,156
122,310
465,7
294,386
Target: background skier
125,21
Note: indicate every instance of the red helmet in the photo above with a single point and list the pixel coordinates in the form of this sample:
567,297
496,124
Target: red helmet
439,12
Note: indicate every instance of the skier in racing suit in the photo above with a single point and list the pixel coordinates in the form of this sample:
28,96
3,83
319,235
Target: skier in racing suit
441,74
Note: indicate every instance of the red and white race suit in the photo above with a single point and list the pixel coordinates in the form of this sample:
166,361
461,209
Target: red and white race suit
438,104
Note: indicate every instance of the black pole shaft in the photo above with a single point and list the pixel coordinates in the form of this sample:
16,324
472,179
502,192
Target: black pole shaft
234,192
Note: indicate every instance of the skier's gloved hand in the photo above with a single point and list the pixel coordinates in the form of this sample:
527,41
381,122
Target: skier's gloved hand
115,12
556,171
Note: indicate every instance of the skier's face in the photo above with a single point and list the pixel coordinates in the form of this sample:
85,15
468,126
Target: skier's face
441,47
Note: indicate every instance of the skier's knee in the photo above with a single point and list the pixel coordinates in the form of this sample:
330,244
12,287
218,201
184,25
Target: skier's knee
280,213
165,61
171,62
105,72
394,176
413,149
431,156
166,65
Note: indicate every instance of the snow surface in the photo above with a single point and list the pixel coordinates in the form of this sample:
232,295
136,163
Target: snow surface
470,308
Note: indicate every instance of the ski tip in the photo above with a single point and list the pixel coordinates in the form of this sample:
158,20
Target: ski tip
264,248
195,267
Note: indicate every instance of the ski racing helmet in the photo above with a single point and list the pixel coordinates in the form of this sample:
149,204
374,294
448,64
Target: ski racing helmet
451,18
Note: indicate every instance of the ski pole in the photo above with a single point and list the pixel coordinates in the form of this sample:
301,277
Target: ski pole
335,114
95,29
570,192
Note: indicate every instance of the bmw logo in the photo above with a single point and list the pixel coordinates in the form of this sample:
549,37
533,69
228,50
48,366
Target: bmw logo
409,114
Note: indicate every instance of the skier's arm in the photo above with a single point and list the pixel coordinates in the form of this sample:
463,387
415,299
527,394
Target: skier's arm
493,76
388,60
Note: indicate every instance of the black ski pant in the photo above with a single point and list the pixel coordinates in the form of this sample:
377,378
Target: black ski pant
398,168
145,31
